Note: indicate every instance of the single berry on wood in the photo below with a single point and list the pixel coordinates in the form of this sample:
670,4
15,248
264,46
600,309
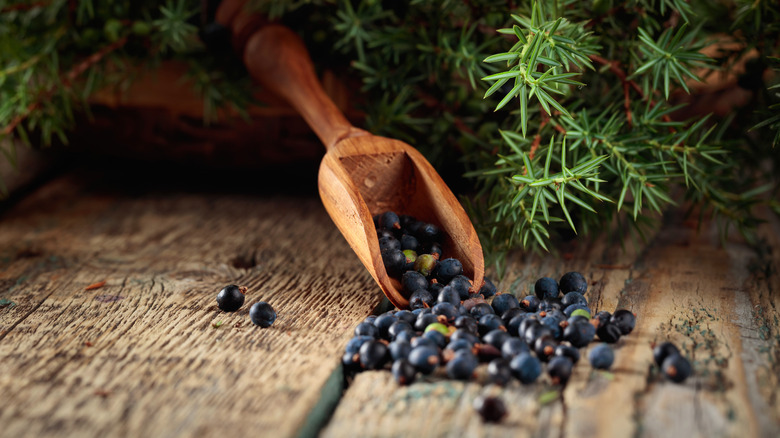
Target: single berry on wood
491,409
676,368
262,314
662,351
231,298
601,357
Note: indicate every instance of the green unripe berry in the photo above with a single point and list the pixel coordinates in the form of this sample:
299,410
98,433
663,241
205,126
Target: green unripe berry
425,264
581,312
439,327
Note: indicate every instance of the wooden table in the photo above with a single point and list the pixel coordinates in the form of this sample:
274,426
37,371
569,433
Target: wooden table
109,325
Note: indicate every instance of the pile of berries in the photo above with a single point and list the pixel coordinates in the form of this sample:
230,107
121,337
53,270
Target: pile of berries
231,298
514,337
412,253
452,327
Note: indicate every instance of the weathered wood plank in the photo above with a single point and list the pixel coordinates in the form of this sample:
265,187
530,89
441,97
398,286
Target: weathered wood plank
140,356
684,287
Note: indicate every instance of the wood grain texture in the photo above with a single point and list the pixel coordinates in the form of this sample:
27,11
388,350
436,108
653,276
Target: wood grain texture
140,356
719,303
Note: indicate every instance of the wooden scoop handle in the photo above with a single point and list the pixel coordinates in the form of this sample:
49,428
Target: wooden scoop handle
277,58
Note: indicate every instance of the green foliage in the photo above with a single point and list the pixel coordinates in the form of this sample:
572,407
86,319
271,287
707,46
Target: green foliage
565,116
54,56
556,44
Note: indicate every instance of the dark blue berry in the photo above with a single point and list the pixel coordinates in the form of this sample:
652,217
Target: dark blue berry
370,318
367,329
447,310
354,344
574,298
491,409
448,269
424,320
602,317
409,242
262,314
351,361
624,320
403,372
529,320
437,337
511,313
559,369
513,347
466,335
461,284
462,366
513,326
398,327
536,331
601,357
676,368
503,302
468,323
231,298
498,372
434,249
423,341
420,298
399,349
544,347
577,319
546,288
413,281
389,221
394,261
388,243
490,322
554,324
424,358
383,323
662,351
488,289
549,305
496,337
448,295
481,309
530,304
459,344
406,315
373,355
405,336
573,282
526,368
579,334
609,333
568,351
429,233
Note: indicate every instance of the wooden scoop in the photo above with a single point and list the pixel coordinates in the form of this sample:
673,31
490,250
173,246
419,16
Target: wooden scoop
362,175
